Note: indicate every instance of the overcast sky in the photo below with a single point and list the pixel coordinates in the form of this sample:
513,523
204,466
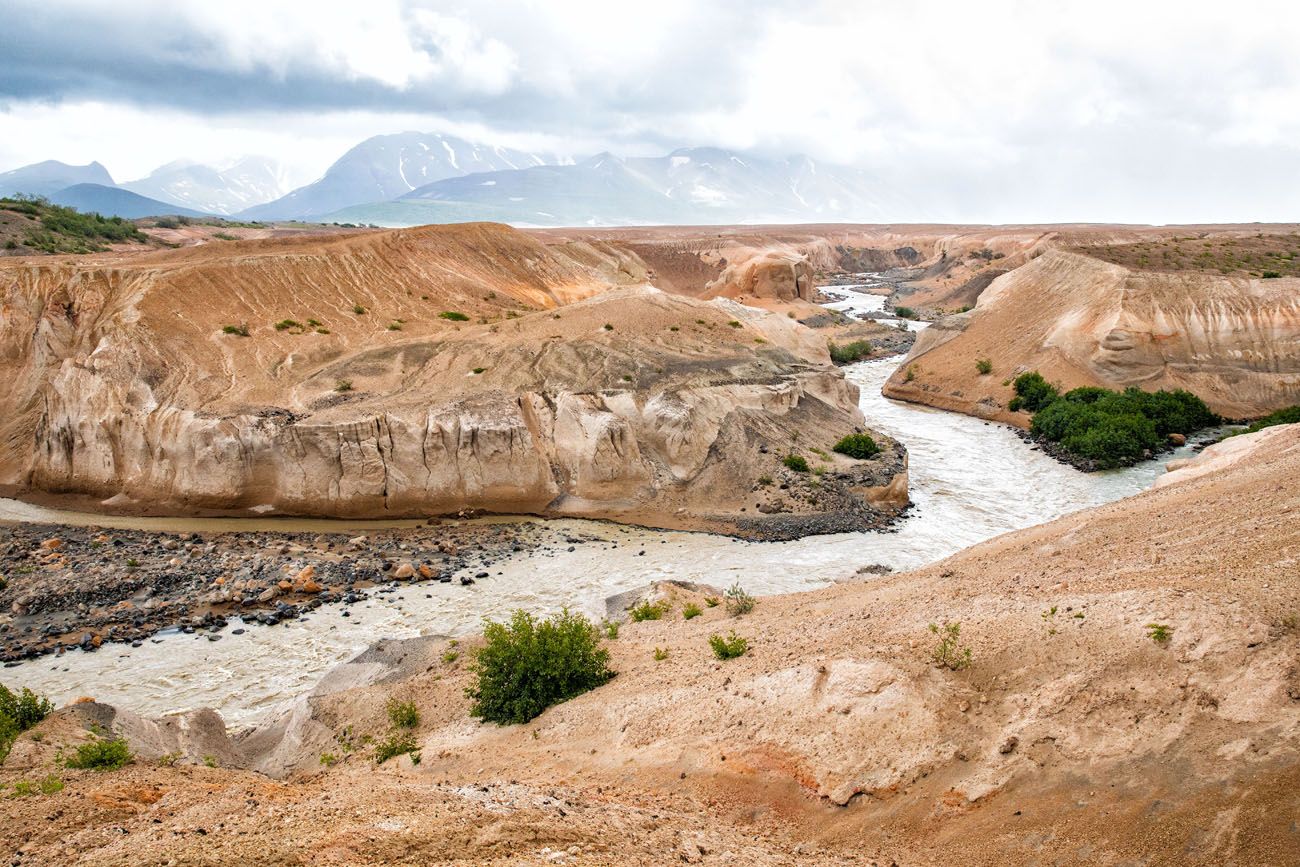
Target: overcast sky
991,111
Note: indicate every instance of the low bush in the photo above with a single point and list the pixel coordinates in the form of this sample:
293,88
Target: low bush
343,385
730,647
947,653
849,352
1160,633
24,708
102,754
286,324
738,601
904,312
691,610
453,316
798,463
241,330
660,654
859,446
645,610
984,366
1290,415
528,665
396,744
403,714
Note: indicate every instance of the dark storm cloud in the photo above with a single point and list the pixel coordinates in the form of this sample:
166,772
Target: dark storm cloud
159,55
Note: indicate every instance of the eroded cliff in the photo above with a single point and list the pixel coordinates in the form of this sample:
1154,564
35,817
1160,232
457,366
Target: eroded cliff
417,372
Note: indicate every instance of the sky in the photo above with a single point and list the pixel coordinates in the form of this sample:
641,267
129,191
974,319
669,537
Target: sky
998,111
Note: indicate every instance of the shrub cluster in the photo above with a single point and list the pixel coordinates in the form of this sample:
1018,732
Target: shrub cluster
528,665
101,754
1109,428
1290,415
858,445
849,352
67,230
19,712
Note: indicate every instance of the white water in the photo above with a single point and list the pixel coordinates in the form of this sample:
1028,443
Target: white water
970,480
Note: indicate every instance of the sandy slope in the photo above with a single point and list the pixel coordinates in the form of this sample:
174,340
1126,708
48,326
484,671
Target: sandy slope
1073,738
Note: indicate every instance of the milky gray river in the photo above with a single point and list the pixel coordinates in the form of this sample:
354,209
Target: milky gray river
970,480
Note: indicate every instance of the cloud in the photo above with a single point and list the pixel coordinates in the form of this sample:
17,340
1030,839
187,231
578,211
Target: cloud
981,109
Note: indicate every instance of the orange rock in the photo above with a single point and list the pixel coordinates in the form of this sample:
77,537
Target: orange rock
85,699
307,574
310,586
51,543
286,586
427,571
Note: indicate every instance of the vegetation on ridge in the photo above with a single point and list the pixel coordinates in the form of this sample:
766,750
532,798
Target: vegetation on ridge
36,224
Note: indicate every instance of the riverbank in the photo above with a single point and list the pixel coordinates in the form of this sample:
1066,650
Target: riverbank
81,587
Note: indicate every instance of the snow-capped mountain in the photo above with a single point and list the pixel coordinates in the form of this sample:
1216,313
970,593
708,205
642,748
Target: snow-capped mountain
689,185
390,166
42,179
247,182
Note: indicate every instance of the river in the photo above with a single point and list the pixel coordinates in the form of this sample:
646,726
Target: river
970,480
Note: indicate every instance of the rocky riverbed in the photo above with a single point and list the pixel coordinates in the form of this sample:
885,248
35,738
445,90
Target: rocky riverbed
63,587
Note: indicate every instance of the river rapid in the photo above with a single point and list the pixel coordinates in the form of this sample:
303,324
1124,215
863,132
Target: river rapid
970,480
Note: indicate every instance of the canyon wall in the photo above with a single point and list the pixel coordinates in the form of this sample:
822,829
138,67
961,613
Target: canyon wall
354,395
1234,341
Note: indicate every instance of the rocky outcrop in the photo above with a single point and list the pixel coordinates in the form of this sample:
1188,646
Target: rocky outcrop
365,401
1234,341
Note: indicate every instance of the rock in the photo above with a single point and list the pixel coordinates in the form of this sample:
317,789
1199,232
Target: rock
404,572
268,594
427,571
1008,745
311,586
1177,439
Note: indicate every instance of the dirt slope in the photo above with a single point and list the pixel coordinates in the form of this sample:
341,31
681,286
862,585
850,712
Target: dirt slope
353,394
1072,738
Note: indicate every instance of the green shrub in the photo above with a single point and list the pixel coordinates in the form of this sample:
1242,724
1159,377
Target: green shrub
1271,275
241,330
796,462
528,665
859,446
1113,428
904,312
711,601
1160,633
51,785
396,744
735,323
1032,392
611,629
1290,415
286,324
849,352
453,316
645,610
947,653
103,754
660,654
25,708
343,385
608,327
358,309
691,610
730,647
738,601
984,366
394,326
403,714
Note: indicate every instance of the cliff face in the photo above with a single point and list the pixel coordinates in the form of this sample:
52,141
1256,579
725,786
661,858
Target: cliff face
1233,341
630,404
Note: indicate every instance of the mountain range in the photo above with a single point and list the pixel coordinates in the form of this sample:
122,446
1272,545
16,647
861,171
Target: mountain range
415,178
